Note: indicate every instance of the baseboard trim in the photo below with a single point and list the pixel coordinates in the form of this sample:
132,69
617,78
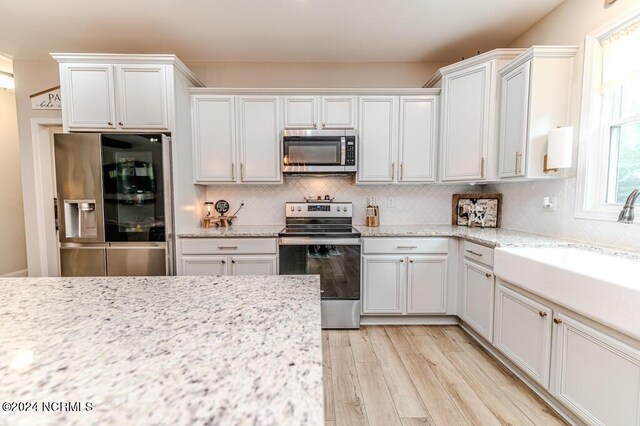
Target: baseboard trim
20,273
549,399
409,320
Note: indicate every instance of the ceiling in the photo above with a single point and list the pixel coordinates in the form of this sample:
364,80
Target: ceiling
268,30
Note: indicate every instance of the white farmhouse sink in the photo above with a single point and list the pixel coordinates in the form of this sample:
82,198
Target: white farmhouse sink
599,286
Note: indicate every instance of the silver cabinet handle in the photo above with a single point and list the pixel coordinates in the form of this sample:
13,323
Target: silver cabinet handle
401,171
407,247
228,248
241,171
482,168
233,171
393,169
474,253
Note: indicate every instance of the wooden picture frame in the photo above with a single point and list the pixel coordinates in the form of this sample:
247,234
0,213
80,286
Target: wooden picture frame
490,213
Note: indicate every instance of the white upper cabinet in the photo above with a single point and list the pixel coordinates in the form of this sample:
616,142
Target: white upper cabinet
259,128
514,104
301,112
418,139
338,112
214,139
319,112
121,96
534,98
88,96
142,96
378,129
468,134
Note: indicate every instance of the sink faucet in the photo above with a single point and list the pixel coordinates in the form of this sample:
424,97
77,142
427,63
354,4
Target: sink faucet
626,215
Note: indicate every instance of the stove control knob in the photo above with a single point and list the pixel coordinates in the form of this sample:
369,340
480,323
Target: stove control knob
299,208
292,208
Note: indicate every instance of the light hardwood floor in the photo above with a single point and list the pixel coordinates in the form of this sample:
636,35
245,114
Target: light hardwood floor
421,375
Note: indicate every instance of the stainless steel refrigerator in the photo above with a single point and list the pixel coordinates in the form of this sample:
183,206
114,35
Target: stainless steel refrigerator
114,204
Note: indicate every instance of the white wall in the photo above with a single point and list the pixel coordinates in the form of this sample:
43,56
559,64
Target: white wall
314,74
569,23
13,256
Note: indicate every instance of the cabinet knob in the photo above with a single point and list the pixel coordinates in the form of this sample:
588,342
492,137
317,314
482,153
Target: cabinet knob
488,275
542,314
233,261
120,123
401,260
224,261
315,125
109,123
410,260
557,321
324,124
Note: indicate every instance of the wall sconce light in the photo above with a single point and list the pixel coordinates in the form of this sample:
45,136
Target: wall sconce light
6,80
559,149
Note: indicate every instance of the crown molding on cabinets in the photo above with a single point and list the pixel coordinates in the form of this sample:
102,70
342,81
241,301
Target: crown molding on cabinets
312,91
111,58
540,52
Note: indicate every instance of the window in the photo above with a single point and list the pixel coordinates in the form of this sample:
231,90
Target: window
609,166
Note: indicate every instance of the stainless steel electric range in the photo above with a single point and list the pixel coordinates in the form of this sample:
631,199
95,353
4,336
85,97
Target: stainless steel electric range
319,239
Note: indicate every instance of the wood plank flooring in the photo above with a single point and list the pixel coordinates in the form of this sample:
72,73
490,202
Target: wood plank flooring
421,375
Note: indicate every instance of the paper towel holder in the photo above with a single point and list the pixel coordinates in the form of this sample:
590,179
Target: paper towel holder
559,149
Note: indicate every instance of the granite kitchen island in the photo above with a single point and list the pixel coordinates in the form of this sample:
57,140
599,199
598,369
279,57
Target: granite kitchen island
226,350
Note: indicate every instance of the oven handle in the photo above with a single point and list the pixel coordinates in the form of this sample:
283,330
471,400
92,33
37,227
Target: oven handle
303,241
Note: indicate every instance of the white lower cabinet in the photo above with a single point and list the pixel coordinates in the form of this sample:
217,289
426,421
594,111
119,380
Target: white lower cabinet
477,298
427,285
382,279
596,375
204,265
253,265
523,333
397,284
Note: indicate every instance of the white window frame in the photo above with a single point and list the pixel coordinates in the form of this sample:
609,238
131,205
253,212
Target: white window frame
593,158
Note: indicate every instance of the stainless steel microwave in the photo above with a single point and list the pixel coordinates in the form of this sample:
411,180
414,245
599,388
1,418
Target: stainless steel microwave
319,151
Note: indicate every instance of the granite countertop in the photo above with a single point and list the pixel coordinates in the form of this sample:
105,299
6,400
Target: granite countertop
489,236
228,350
235,231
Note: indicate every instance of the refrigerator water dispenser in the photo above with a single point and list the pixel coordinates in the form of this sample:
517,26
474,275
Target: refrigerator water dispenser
80,219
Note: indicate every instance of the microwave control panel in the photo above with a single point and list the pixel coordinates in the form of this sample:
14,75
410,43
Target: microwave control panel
350,155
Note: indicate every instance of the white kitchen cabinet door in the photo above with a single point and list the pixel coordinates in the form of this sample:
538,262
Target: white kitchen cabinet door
253,265
466,103
214,139
301,112
418,138
259,136
427,285
204,265
523,333
477,298
378,143
514,112
142,97
382,284
88,100
338,112
596,376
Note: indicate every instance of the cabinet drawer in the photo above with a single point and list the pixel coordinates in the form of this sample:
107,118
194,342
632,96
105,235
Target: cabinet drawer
479,253
405,245
229,246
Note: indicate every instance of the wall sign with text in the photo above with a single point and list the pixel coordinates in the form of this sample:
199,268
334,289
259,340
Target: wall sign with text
47,99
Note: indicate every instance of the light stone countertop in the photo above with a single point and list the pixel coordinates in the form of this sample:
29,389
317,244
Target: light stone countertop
229,350
234,231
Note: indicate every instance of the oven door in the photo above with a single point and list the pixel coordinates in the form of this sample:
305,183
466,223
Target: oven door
337,261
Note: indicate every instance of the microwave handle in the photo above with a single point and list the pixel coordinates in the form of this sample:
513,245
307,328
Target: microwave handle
343,151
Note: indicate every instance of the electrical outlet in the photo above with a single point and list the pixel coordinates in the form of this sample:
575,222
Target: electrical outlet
549,203
390,202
